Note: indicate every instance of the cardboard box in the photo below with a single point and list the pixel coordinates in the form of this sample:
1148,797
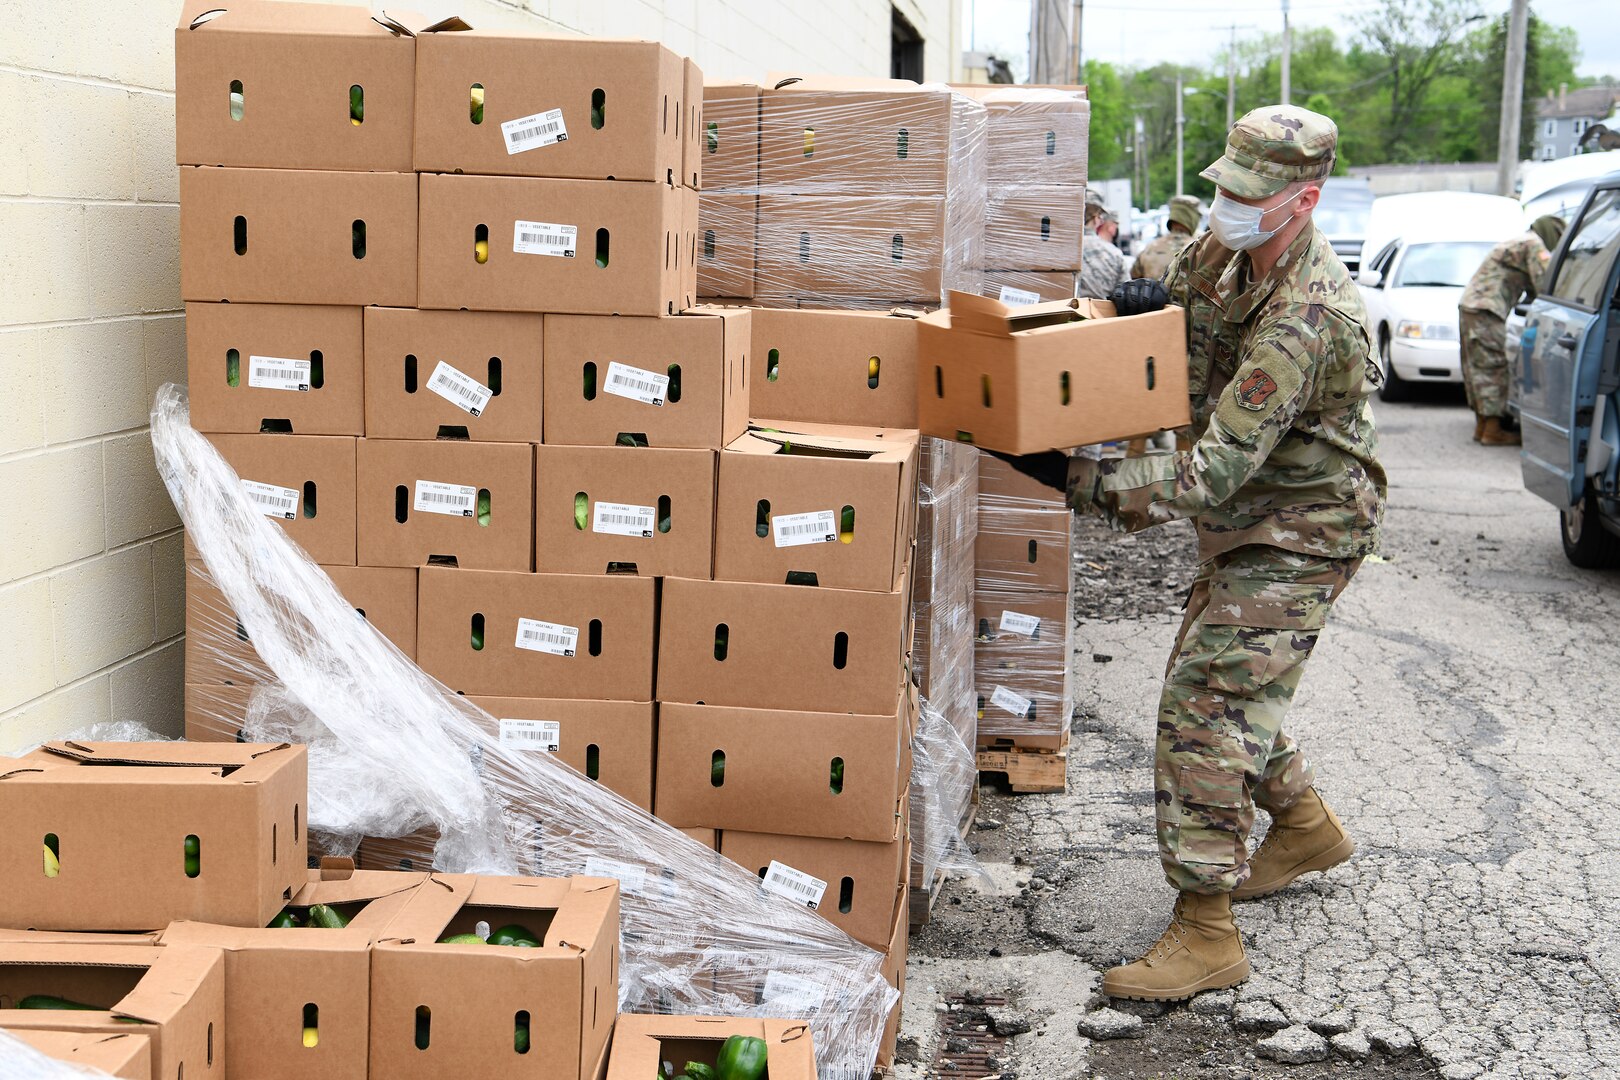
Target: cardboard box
817,504
281,236
285,987
1020,288
886,249
407,853
782,646
859,877
177,994
688,123
1053,376
729,140
1022,667
581,636
553,106
282,86
1038,226
1043,138
611,742
802,773
593,246
817,366
121,813
678,381
304,483
453,375
216,713
727,243
643,1044
1020,551
288,368
891,139
1002,487
396,481
127,1056
467,1002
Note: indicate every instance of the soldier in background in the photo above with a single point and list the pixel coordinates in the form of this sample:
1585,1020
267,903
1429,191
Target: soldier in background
1513,268
1102,265
1156,258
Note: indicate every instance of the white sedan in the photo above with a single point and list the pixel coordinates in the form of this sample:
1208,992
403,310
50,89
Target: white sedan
1411,291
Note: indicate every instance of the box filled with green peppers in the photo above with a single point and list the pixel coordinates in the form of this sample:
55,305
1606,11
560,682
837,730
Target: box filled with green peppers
711,1048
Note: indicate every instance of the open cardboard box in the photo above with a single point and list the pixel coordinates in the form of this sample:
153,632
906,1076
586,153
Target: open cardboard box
643,1044
1052,376
304,483
146,833
295,369
440,1010
729,142
821,504
127,1057
855,879
819,366
611,742
175,996
444,501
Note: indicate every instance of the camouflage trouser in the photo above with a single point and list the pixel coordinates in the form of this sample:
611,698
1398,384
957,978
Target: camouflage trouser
1252,621
1484,361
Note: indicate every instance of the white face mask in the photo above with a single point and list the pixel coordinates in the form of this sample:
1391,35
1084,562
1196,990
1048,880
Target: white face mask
1237,225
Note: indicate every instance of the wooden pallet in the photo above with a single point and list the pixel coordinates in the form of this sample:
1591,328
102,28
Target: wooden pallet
923,897
1029,772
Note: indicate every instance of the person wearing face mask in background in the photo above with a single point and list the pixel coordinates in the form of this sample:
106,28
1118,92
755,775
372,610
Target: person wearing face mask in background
1102,265
1286,492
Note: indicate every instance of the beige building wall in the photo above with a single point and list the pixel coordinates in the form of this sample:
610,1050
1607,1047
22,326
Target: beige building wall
91,578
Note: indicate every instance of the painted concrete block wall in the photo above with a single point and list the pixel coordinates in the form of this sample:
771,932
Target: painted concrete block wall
91,324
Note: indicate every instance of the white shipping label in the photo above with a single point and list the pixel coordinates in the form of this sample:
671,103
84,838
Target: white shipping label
456,500
532,132
1008,701
544,238
795,530
278,373
632,879
796,885
532,735
277,502
459,389
547,637
793,995
1018,297
637,384
623,519
1016,623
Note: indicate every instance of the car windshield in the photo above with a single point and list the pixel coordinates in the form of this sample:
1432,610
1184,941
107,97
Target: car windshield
1344,209
1441,264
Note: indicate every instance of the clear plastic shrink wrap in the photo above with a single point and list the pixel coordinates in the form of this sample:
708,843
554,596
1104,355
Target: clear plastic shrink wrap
19,1061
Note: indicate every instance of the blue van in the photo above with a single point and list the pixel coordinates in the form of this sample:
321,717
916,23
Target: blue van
1568,382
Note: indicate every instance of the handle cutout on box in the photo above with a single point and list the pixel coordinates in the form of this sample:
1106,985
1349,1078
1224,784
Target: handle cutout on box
1051,143
846,895
722,641
984,631
593,761
357,233
484,505
478,631
1032,551
193,855
804,247
588,380
494,379
1046,228
840,650
1152,378
874,371
296,817
599,109
317,369
52,854
846,525
520,1031
602,249
939,381
210,1044
239,234
773,365
357,104
480,243
233,367
1064,393
582,510
762,519
424,1027
897,248
475,103
402,504
410,373
238,99
835,776
593,637
708,243
312,1025
712,131
309,498
717,768
902,144
241,632
984,389
809,142
802,577
673,393
664,519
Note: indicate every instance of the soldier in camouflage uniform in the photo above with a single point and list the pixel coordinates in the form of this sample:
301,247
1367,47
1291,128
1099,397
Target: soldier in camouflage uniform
1156,258
1514,268
1102,265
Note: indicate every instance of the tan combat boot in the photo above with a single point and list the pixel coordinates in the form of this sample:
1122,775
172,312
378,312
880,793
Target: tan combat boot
1201,950
1493,434
1479,426
1305,838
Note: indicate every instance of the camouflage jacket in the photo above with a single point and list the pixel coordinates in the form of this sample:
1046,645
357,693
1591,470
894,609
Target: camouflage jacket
1156,258
1280,371
1513,268
1102,266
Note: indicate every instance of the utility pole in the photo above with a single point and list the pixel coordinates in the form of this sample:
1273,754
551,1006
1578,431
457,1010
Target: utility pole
1507,135
1231,79
1049,48
1077,21
1181,124
1287,54
1142,161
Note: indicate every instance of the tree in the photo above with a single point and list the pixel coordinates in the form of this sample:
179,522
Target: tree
1417,40
1110,119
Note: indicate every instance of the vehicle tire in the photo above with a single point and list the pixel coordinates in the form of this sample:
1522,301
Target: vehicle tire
1395,388
1587,544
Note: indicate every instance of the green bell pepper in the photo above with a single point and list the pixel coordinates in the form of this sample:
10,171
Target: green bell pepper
741,1057
518,936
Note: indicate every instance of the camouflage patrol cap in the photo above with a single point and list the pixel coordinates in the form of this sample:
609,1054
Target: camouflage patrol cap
1185,211
1094,197
1272,147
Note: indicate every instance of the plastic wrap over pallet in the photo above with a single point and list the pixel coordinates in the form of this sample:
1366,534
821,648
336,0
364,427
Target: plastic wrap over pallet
19,1061
392,751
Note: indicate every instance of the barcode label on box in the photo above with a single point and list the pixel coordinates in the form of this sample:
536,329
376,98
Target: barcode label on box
792,995
1014,622
547,637
277,502
459,389
532,735
544,238
796,530
278,373
623,519
1018,297
631,879
533,132
796,885
1007,700
647,387
455,500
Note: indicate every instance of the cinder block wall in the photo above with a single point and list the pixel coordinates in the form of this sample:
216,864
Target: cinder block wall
91,576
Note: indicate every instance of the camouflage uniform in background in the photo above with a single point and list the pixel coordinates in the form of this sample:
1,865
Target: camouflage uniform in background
1102,266
1513,268
1156,258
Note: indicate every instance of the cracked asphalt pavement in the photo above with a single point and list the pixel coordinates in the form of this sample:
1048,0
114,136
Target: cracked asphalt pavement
1463,711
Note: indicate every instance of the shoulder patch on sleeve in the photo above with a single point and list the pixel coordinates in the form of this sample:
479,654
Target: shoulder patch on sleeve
1268,381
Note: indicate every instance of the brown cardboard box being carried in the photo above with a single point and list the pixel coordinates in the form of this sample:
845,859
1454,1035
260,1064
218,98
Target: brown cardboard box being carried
551,106
729,141
816,504
782,646
1038,226
852,882
453,374
643,1044
727,244
177,995
620,509
834,367
146,833
530,635
828,249
456,1010
280,236
1021,288
611,742
1049,377
598,247
305,988
295,369
444,501
668,381
127,1056
876,137
304,483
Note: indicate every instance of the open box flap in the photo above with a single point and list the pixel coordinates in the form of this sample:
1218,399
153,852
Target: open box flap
984,315
263,16
188,754
769,436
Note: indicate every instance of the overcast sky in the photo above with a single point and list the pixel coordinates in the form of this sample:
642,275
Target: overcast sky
1136,32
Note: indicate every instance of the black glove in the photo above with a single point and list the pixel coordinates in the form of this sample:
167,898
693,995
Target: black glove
1050,469
1139,296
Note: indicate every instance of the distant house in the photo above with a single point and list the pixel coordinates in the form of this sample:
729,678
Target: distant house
1563,117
